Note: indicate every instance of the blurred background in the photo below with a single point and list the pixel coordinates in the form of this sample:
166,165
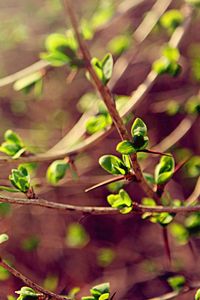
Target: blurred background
65,250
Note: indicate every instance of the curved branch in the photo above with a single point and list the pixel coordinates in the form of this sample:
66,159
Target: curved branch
30,283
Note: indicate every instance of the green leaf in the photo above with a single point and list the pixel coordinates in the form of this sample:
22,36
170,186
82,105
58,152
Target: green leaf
51,283
171,53
112,164
104,296
103,68
139,135
138,127
176,282
3,238
28,81
125,147
76,236
164,170
192,105
193,166
20,179
100,289
56,171
197,295
179,232
27,293
13,145
97,123
121,201
105,257
88,298
61,49
119,44
13,137
172,19
107,67
195,3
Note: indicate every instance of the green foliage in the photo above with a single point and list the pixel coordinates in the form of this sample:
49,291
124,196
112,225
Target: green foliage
103,14
173,107
121,201
192,224
99,292
76,236
139,139
30,243
168,63
56,171
119,44
179,232
61,50
192,105
20,179
197,295
171,19
163,219
98,123
177,282
193,166
114,165
3,238
51,283
27,293
105,257
115,186
195,3
13,144
103,68
4,274
164,169
33,81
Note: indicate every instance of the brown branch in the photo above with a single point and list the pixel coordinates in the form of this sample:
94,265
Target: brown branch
30,283
108,100
137,208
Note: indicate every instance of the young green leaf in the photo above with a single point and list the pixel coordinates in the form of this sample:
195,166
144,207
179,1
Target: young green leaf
138,127
139,135
107,67
112,164
13,145
172,19
192,105
61,49
197,295
3,238
195,3
100,289
20,179
25,84
121,201
164,170
98,123
103,68
27,293
56,171
125,147
176,282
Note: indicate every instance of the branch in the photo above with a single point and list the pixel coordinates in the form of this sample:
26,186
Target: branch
192,199
137,208
30,283
108,100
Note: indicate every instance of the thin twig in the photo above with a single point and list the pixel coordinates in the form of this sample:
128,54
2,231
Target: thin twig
137,208
108,100
30,283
